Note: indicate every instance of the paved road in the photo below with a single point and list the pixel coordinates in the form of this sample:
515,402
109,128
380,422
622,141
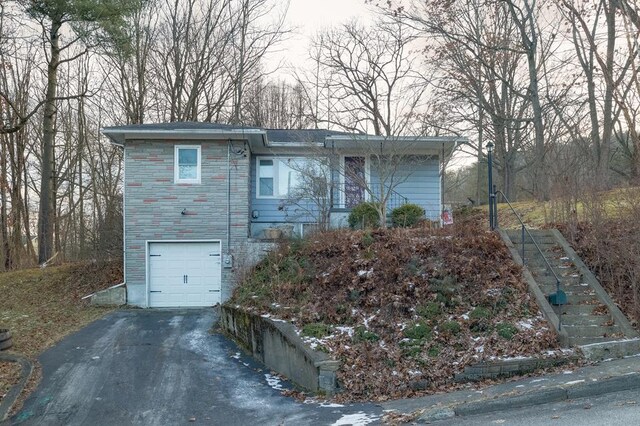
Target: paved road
615,409
164,367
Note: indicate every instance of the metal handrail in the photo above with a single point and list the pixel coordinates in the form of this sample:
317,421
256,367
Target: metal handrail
524,229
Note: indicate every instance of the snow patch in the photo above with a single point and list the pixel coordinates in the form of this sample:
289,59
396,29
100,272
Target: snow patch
365,273
345,330
525,324
236,355
574,382
359,419
273,381
175,321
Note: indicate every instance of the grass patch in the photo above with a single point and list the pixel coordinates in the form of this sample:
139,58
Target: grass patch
316,329
41,306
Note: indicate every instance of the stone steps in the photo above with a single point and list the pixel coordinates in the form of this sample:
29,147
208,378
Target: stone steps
579,322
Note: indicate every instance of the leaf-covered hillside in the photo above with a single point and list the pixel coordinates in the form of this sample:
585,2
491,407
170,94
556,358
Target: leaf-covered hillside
403,309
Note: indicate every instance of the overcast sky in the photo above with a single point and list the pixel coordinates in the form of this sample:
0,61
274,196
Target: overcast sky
307,17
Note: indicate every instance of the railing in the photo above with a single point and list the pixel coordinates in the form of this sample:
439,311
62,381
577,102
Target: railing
524,230
395,199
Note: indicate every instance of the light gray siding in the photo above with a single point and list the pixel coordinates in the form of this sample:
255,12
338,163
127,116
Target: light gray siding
153,206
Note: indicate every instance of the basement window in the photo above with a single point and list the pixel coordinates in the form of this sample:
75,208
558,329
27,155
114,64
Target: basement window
187,164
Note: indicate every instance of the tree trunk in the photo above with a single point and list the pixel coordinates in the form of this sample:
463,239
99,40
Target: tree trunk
46,215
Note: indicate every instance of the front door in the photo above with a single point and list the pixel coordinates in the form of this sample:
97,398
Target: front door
354,181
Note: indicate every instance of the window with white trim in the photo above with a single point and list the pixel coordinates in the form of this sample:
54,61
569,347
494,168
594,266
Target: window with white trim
187,164
280,177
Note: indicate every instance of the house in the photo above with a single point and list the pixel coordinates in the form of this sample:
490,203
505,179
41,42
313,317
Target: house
201,199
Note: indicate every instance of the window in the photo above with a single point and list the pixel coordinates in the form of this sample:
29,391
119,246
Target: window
187,164
279,177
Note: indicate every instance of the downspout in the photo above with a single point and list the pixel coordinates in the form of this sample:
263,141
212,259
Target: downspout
228,197
442,182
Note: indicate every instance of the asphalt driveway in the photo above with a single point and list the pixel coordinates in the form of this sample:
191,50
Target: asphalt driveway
164,367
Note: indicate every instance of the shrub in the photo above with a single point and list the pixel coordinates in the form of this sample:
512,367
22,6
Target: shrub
434,351
429,311
480,313
506,330
407,215
411,348
418,330
450,327
363,335
480,317
364,215
316,329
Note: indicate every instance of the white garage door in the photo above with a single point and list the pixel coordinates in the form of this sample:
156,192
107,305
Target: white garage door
184,274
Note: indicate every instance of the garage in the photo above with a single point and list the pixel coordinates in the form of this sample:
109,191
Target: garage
183,274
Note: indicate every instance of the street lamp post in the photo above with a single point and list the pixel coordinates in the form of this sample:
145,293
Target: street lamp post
492,195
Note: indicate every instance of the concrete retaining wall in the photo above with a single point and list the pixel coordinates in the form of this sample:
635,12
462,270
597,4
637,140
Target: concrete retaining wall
113,296
276,344
509,367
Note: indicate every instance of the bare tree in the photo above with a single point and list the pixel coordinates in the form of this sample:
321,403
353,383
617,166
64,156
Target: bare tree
253,37
369,76
277,105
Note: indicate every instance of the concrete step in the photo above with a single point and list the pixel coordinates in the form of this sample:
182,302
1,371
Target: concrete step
575,320
579,310
557,261
574,284
590,330
583,299
572,295
579,341
534,232
544,244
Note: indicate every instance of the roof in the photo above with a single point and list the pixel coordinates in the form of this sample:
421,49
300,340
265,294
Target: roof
302,135
179,125
268,139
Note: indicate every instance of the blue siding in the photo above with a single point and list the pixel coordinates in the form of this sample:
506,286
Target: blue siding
419,182
278,210
419,179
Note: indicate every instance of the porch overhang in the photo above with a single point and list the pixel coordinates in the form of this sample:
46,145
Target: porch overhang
405,145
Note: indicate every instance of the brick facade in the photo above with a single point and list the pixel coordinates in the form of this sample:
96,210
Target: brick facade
154,205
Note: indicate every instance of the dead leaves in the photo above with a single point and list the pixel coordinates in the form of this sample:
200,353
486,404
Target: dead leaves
382,280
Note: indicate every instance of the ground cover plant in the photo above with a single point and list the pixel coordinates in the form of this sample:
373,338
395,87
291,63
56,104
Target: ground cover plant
403,309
